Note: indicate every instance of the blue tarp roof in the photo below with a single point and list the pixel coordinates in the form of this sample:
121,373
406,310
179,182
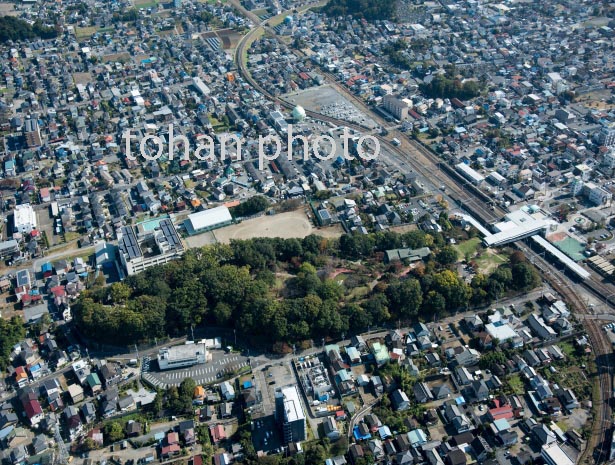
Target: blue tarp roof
358,436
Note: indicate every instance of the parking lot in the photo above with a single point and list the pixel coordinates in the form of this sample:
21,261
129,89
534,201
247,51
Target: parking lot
204,373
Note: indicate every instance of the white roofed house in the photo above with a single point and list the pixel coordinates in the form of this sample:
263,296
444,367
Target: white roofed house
227,390
24,219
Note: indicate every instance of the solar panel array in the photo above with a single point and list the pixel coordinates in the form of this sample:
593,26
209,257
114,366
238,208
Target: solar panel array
129,244
170,234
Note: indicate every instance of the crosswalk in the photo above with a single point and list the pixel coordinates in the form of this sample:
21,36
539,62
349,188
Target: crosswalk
202,374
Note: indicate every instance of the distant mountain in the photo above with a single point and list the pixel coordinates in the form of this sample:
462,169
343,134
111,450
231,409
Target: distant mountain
370,10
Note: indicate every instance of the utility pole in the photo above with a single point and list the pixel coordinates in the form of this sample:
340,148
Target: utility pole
137,351
192,330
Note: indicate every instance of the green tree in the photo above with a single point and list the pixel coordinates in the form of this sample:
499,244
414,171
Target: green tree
252,206
11,332
114,432
490,359
454,290
405,298
447,255
119,293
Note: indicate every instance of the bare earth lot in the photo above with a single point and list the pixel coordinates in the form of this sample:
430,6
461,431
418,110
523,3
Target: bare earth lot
284,225
8,9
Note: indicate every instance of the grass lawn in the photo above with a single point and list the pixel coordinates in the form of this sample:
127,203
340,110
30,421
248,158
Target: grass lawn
562,425
468,247
489,261
516,385
85,32
145,3
71,236
568,349
359,292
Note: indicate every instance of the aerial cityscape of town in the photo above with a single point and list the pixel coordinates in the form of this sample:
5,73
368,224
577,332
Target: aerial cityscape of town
302,232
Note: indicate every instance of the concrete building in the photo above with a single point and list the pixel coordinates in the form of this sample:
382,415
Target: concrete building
606,136
186,355
289,414
140,249
554,455
596,194
24,219
208,220
399,108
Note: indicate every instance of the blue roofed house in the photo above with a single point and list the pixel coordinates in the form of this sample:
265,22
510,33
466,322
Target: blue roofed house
353,355
501,429
417,437
384,432
6,435
9,168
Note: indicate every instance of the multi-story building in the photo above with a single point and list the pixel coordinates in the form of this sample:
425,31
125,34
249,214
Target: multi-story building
289,414
596,194
399,108
606,136
140,249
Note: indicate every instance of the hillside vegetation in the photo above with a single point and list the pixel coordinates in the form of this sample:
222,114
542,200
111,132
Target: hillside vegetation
274,284
15,29
370,10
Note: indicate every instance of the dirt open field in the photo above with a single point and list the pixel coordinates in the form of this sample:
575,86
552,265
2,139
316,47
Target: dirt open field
285,225
8,9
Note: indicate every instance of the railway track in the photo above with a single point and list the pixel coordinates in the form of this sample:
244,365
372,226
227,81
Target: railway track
598,446
427,164
422,160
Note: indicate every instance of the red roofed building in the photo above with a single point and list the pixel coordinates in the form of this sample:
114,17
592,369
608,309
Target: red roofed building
217,433
34,411
169,451
21,376
172,438
58,291
498,413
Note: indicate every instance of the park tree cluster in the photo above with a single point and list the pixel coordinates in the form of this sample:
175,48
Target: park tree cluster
16,29
283,285
370,10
